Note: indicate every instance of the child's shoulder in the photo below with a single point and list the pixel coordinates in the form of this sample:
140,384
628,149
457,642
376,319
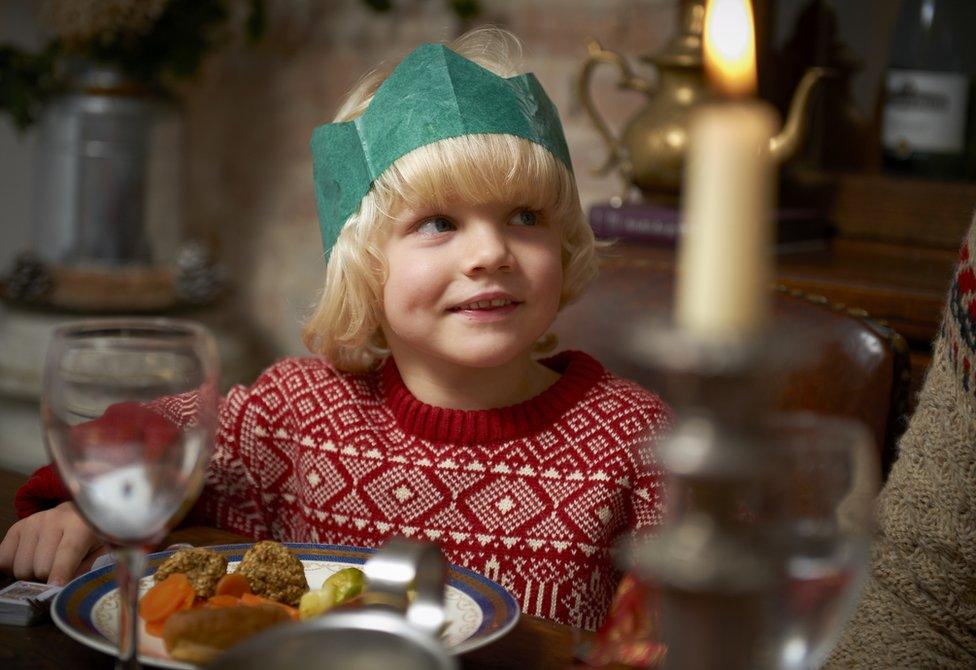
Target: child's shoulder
296,375
615,395
640,400
291,365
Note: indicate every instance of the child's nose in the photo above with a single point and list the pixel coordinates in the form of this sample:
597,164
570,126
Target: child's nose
488,251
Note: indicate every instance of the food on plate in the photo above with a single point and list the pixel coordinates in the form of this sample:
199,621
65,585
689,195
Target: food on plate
165,599
203,567
274,572
338,589
202,611
348,583
253,600
232,584
197,635
202,586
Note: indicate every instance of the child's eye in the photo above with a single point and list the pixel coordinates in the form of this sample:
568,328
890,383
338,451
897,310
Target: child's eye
525,217
435,225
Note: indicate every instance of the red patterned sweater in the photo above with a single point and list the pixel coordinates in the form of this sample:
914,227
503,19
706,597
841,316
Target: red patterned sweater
532,496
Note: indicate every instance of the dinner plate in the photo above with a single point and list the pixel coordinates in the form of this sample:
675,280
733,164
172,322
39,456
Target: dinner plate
479,611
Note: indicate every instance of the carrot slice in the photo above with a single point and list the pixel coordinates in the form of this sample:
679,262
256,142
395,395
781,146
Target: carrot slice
172,594
222,600
233,584
155,628
292,611
251,600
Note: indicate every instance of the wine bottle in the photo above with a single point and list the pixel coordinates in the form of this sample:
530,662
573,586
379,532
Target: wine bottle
928,127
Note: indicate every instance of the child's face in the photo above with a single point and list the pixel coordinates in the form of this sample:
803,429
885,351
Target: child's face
473,285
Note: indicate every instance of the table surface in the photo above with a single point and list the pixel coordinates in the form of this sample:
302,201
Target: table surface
534,643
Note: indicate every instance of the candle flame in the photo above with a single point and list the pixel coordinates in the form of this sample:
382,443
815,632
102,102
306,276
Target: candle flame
729,50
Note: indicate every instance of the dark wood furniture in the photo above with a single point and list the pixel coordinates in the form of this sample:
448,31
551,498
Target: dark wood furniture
897,243
849,365
534,643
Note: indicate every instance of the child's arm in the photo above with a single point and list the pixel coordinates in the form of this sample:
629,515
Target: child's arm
52,541
646,508
155,424
52,545
28,549
918,605
646,504
43,490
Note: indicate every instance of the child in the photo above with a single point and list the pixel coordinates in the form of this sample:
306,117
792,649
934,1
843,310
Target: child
454,235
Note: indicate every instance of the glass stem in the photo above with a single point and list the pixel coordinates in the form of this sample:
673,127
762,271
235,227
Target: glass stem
129,566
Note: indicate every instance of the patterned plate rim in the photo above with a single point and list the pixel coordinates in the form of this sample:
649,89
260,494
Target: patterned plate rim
500,611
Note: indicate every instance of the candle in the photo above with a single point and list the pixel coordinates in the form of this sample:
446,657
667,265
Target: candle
725,253
729,48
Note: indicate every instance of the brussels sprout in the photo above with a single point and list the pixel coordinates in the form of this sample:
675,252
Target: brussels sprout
314,603
348,583
340,588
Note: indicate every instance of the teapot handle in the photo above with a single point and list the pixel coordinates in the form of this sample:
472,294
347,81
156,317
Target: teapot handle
597,55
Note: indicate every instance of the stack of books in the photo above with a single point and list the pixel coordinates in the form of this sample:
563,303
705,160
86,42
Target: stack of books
797,229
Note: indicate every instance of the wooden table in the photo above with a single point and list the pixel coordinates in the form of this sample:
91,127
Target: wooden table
534,643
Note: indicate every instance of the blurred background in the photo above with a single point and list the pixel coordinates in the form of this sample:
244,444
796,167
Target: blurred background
230,217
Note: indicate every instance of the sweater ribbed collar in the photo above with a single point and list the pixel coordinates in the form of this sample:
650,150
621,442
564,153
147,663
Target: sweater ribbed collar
579,373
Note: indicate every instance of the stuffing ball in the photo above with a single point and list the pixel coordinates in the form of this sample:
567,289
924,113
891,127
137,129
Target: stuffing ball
274,572
203,568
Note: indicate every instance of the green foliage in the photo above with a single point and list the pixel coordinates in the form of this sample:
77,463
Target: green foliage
26,81
183,34
465,9
257,21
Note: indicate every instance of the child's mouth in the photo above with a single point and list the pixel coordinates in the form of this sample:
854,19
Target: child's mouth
485,305
486,311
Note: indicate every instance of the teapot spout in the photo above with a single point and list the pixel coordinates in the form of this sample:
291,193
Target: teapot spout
784,145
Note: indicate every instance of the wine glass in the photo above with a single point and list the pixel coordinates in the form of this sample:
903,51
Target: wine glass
817,517
129,409
765,541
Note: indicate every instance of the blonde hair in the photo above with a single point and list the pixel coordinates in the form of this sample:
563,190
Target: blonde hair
345,325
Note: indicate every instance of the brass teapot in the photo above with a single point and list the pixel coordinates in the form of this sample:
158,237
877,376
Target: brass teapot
650,152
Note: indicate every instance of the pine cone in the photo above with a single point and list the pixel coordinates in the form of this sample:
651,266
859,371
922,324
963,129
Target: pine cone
198,279
29,280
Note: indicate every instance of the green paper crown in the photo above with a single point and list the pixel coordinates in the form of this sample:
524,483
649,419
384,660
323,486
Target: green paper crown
433,94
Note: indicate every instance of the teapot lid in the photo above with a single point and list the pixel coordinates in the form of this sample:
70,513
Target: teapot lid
685,48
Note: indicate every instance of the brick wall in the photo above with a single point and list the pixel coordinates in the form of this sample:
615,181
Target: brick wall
250,114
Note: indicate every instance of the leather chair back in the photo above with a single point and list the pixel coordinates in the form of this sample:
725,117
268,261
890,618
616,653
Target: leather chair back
856,366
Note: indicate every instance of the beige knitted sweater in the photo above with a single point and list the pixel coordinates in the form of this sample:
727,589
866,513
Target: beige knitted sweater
918,608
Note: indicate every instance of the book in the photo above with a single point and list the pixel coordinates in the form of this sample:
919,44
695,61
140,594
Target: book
26,603
797,229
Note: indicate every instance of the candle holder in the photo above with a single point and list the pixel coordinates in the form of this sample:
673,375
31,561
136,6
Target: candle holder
767,523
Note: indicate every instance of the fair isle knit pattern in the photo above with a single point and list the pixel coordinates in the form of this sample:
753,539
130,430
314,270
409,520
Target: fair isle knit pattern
532,496
959,326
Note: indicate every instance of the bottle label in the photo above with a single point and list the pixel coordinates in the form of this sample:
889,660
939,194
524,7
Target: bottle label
925,111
